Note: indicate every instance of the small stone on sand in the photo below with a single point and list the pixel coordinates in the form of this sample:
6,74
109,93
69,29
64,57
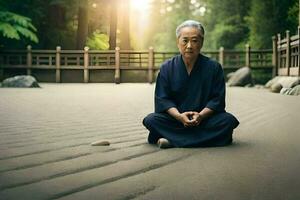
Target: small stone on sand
100,143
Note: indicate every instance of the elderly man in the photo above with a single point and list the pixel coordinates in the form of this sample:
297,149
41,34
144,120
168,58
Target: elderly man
190,97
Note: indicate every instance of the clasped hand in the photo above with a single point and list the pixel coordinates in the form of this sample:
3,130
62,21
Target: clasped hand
190,118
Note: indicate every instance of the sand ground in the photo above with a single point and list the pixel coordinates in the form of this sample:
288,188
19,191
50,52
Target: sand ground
45,151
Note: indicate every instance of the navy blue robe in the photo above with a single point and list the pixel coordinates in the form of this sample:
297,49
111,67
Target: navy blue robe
203,87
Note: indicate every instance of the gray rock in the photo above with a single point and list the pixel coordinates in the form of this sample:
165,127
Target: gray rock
23,81
272,81
100,143
229,75
276,88
295,91
289,82
258,86
285,91
285,81
241,77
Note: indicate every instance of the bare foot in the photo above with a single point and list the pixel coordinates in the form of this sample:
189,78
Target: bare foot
163,143
100,143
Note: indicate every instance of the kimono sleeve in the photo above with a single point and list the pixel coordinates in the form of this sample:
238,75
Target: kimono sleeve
217,95
162,97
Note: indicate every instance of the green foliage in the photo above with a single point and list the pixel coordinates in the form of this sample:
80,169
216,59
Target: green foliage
226,35
54,20
225,23
267,18
164,42
64,3
261,24
14,26
169,15
228,23
98,41
60,37
293,14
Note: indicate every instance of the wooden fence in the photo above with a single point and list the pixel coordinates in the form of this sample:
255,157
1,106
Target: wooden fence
117,61
286,54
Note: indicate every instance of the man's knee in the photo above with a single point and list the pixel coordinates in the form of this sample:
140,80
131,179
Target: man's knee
148,120
225,120
230,120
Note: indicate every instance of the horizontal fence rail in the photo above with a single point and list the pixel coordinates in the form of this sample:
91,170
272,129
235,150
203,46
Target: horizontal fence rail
119,61
286,54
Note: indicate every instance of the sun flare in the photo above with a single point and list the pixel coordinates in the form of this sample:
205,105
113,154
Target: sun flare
140,5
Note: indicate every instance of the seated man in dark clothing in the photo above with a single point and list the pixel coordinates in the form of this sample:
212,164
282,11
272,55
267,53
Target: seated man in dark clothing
190,97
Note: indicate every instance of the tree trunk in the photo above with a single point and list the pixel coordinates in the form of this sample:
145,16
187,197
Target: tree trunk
82,31
113,25
56,16
124,31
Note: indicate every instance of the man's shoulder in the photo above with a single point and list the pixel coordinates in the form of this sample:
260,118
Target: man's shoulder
170,63
210,62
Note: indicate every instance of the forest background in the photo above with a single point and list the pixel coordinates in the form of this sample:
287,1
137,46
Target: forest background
139,24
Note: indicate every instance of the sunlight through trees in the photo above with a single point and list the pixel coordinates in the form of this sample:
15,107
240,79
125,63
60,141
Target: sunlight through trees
138,24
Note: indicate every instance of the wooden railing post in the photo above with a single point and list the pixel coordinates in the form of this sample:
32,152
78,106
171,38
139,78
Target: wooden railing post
57,64
275,57
247,58
221,56
1,69
288,52
117,69
29,60
298,63
279,61
150,64
86,65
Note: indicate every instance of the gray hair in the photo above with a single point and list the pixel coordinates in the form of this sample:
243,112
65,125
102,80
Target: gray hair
190,23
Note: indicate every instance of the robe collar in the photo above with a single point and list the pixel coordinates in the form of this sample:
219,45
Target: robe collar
196,65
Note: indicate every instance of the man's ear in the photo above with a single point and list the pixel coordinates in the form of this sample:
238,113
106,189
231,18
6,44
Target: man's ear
201,42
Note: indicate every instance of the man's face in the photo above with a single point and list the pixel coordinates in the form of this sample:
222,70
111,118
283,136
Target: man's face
190,42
